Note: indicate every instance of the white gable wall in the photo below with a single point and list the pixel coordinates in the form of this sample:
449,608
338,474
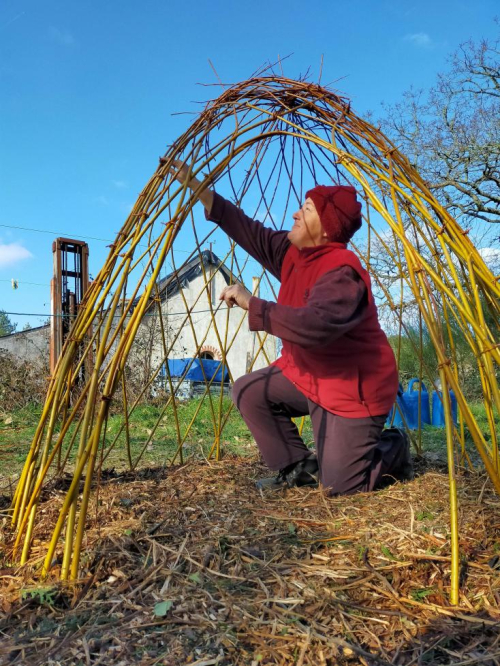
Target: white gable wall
242,343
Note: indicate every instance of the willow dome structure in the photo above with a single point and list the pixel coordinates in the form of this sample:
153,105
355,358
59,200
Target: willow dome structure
262,143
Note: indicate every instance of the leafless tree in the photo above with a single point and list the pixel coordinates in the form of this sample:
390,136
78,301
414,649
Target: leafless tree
451,133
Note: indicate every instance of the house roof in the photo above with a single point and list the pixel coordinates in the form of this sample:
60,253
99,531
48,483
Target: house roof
173,282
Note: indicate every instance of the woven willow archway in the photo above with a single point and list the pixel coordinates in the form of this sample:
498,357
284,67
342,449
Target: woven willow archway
262,143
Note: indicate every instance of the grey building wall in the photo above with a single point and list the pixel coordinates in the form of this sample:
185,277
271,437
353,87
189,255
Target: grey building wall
31,345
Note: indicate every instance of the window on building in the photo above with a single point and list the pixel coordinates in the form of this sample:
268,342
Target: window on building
207,355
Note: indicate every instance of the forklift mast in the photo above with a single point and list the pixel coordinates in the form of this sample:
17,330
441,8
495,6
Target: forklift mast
67,289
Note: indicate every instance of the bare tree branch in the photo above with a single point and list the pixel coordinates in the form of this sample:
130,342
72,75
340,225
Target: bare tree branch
451,133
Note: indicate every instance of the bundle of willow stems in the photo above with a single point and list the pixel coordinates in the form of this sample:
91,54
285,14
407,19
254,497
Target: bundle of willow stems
263,143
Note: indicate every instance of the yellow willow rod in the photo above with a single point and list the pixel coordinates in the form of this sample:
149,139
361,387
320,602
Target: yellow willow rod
18,510
475,347
151,250
32,515
410,252
136,402
400,222
95,437
99,359
228,315
458,282
455,242
86,354
151,435
123,349
127,435
450,282
451,342
403,326
187,369
435,332
490,373
489,339
455,555
93,310
73,489
488,404
35,446
21,484
64,510
87,419
224,352
193,331
438,229
24,499
468,417
64,417
126,313
83,438
262,342
231,406
165,352
39,483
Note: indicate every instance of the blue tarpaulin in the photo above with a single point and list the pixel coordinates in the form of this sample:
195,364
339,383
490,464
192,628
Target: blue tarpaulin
213,369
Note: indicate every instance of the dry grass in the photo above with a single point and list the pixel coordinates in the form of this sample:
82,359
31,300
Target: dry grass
250,579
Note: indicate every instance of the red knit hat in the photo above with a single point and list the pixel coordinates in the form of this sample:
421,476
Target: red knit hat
338,210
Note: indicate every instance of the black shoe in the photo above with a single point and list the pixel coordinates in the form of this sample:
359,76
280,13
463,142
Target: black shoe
302,473
404,470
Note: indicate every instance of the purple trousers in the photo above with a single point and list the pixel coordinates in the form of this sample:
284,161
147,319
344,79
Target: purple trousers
353,454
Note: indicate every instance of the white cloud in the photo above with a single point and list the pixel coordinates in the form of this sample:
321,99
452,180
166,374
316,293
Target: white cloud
11,253
120,184
102,200
491,255
420,39
62,37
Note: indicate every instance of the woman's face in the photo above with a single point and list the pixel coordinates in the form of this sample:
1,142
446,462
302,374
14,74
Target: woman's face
307,230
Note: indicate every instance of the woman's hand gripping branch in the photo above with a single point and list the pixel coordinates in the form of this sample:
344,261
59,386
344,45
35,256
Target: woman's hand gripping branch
180,171
236,294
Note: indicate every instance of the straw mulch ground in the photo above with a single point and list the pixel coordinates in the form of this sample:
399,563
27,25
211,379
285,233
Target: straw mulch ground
192,566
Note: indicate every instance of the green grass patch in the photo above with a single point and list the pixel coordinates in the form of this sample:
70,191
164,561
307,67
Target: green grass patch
153,433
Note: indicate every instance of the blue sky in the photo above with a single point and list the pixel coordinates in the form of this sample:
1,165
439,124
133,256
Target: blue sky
88,89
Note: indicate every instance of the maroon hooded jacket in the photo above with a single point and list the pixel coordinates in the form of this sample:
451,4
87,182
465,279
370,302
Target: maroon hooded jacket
334,349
